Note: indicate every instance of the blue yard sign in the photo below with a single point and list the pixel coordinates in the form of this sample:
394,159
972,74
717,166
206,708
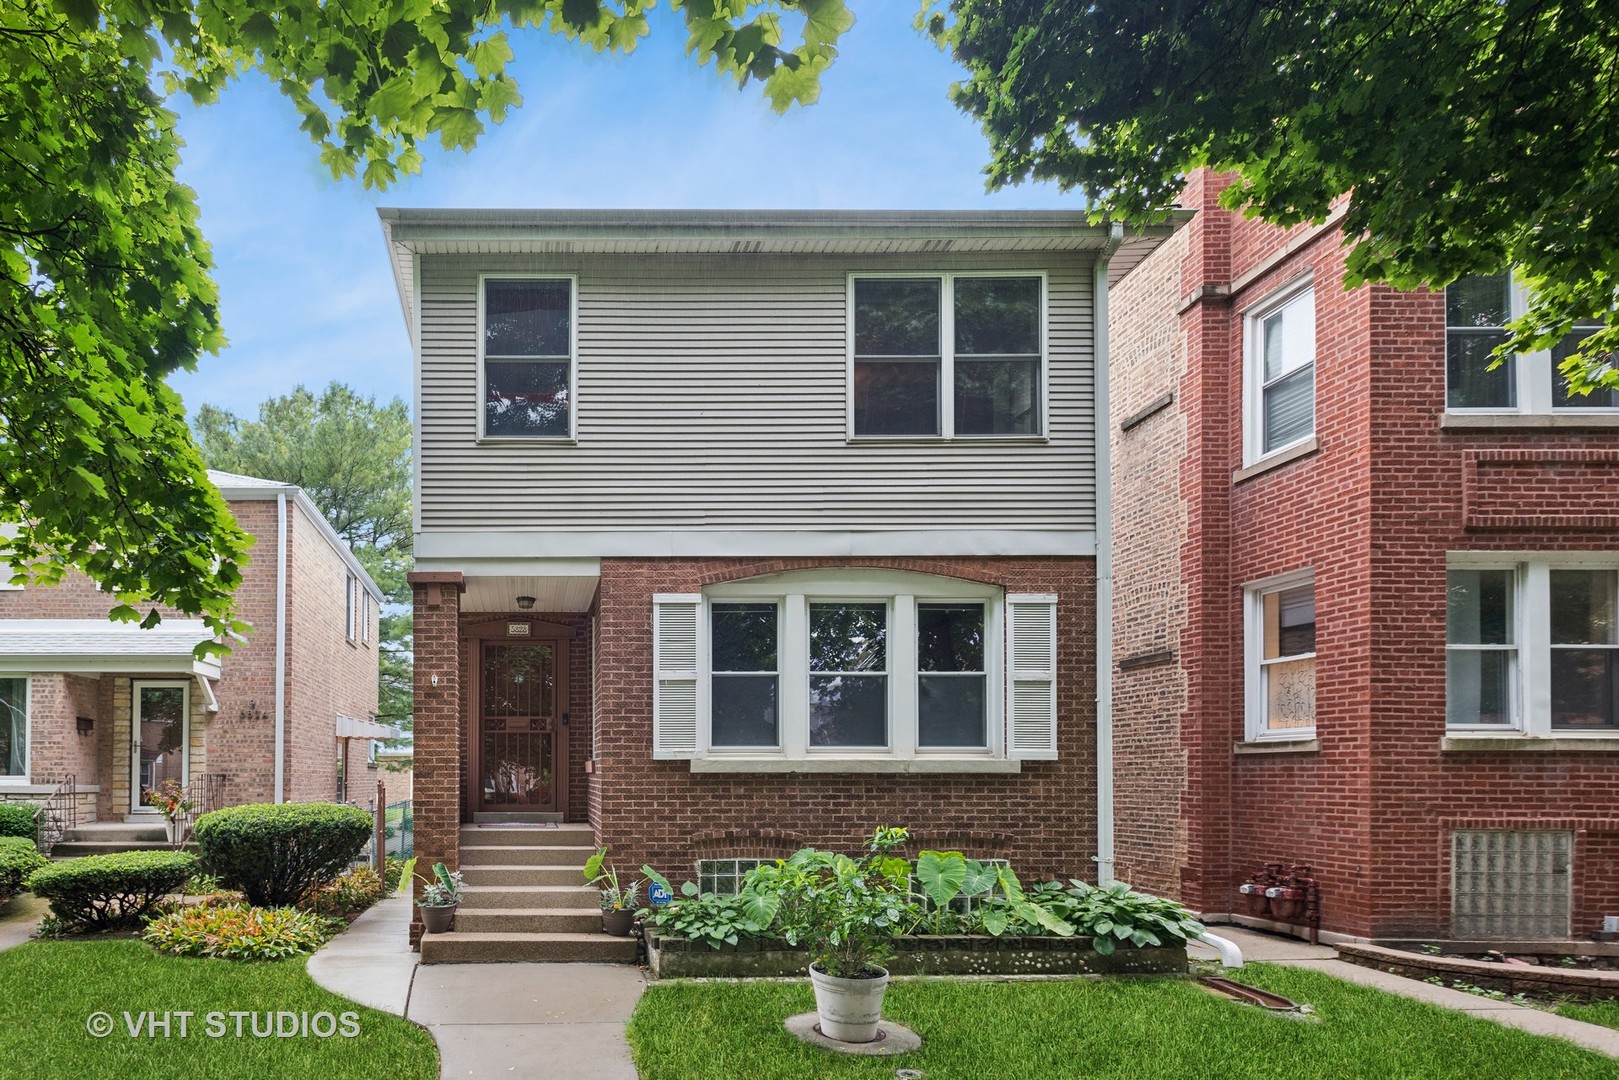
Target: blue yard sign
658,895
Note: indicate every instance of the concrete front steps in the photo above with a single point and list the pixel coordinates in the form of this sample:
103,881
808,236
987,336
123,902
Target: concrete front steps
110,837
526,897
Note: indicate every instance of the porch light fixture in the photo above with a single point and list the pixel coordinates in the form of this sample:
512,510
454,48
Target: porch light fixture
524,603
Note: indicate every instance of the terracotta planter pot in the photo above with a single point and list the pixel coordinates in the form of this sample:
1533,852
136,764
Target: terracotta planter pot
438,920
849,1008
618,923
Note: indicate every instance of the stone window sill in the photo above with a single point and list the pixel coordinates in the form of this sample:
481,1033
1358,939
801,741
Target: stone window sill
932,765
1279,746
1530,744
1279,458
1560,421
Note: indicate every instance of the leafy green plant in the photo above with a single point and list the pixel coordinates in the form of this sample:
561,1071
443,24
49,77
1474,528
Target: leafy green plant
19,858
278,853
347,894
395,871
614,897
443,889
17,819
239,932
716,920
109,892
1116,914
946,878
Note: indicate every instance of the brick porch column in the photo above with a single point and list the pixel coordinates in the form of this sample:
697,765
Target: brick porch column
437,725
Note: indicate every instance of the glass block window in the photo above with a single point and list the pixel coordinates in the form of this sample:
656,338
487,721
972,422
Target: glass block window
1510,884
723,877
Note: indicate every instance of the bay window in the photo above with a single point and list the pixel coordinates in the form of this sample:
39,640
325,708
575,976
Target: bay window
854,664
947,355
1532,643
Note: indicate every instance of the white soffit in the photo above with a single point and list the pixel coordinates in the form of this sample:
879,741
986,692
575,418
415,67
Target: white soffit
349,727
557,593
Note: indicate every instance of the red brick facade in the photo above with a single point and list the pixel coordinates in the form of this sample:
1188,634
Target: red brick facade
1373,510
325,676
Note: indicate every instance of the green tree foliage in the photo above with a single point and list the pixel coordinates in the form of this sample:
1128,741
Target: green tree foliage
352,456
104,275
1470,134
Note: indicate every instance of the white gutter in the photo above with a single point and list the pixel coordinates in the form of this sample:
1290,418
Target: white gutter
281,646
1104,567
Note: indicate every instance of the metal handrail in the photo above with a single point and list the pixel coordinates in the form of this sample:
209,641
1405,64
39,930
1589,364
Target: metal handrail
57,814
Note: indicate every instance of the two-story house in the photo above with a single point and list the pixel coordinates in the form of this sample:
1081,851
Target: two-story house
120,710
1365,596
740,531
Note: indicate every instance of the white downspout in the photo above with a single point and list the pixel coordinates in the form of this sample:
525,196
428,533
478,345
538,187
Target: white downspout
281,646
1104,567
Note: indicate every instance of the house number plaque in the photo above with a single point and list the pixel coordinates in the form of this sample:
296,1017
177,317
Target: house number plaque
517,629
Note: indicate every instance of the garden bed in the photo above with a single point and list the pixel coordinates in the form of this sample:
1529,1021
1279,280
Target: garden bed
1564,983
678,958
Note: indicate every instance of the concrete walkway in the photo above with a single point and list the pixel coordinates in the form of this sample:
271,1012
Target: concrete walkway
488,1019
19,917
1274,948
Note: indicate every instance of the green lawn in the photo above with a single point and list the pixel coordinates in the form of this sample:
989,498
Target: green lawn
1605,1013
1125,1028
50,988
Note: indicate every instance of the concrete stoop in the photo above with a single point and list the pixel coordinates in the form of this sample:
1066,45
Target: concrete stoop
110,837
526,897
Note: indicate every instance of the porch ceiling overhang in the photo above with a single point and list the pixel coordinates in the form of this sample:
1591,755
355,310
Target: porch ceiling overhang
550,592
96,646
349,727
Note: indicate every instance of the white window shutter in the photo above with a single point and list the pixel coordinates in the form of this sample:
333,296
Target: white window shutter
674,674
1031,677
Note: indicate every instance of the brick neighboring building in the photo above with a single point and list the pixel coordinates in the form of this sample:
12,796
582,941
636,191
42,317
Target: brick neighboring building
744,531
1365,597
119,708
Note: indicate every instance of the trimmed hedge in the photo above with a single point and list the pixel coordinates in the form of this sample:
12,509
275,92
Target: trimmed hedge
111,892
19,858
278,854
17,819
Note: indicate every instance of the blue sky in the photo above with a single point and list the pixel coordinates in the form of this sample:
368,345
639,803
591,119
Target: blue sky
306,293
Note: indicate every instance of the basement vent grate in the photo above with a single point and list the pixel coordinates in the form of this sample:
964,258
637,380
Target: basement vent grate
1510,884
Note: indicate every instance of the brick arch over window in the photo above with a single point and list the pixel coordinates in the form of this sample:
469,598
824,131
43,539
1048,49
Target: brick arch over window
732,570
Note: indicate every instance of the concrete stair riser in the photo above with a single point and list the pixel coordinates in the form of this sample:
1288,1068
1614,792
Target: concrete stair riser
579,836
530,896
523,855
506,816
523,875
529,920
75,849
466,947
113,832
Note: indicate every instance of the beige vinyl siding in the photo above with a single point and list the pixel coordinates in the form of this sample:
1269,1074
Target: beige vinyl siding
712,394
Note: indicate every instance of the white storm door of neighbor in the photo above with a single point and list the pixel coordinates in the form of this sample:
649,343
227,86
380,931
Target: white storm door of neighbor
161,731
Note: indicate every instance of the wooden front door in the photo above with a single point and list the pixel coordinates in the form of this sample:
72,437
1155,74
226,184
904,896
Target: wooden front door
520,745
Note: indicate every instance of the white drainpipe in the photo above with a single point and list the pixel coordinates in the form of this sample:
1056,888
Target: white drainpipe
1104,569
281,647
1230,954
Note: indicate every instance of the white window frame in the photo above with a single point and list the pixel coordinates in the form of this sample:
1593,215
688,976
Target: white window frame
1516,703
947,355
1253,370
1532,374
351,607
1254,594
1532,612
573,362
28,737
365,616
793,592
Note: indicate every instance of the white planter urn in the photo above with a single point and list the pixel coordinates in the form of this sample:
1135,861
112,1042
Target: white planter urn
849,1008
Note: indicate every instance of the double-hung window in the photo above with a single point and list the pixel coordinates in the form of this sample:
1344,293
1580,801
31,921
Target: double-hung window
1280,677
527,357
948,355
1532,644
1477,310
1279,337
351,607
854,664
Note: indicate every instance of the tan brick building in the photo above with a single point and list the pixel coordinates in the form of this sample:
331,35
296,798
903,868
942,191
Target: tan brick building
120,709
1366,594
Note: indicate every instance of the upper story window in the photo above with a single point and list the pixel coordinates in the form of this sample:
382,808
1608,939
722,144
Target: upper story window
1533,645
1280,678
1279,342
365,615
527,357
351,607
1476,312
864,664
948,355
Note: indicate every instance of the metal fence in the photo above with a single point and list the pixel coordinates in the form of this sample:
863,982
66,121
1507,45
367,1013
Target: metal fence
393,832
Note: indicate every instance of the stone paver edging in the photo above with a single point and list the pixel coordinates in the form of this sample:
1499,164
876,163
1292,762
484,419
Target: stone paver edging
1580,983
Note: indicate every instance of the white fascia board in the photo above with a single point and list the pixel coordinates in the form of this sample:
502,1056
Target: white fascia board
454,549
103,664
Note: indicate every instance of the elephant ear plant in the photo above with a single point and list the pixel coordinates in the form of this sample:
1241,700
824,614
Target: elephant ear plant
948,876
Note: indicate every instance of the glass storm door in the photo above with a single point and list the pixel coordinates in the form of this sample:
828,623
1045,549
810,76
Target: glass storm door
159,729
517,726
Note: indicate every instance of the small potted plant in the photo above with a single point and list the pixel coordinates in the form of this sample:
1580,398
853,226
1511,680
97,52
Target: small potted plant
172,802
440,896
618,902
847,911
